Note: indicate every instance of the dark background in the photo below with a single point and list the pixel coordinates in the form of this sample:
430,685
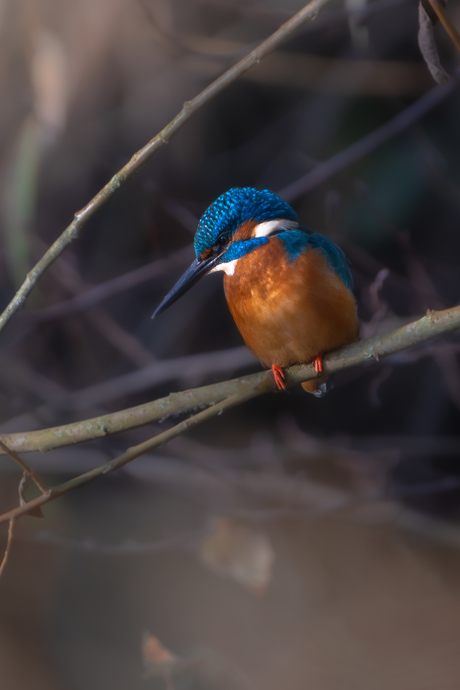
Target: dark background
354,496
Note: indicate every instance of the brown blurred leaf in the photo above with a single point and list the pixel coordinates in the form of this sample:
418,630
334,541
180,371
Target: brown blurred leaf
239,552
427,44
158,661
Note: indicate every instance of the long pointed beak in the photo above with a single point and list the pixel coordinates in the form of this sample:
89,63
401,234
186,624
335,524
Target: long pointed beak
192,275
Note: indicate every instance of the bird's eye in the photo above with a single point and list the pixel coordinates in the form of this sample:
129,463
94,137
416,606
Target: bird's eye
224,239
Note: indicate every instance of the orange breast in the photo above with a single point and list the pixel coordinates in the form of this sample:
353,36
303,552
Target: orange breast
290,312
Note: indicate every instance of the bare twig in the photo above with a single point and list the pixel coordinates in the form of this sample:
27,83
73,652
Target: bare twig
73,231
183,369
22,488
445,21
8,546
117,337
28,474
134,452
99,293
377,347
28,470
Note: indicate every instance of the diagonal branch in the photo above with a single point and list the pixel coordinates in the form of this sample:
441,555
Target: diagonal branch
446,22
73,231
8,547
134,452
363,147
430,326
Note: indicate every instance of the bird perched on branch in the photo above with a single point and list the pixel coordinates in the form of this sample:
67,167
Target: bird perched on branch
289,289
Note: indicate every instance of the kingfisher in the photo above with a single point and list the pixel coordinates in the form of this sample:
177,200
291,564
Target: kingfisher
289,289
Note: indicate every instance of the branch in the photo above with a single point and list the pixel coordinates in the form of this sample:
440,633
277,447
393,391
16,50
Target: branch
72,232
8,547
99,293
192,367
371,142
430,326
132,453
446,22
28,470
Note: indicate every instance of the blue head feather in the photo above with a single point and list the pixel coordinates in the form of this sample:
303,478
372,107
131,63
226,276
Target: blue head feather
296,242
235,207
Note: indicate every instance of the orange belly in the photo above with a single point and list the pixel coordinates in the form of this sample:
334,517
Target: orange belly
290,312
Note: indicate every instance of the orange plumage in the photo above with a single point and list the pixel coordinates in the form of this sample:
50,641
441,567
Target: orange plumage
289,289
290,312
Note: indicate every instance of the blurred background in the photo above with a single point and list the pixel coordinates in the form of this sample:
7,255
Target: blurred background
292,542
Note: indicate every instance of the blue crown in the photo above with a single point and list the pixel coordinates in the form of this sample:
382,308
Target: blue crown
235,207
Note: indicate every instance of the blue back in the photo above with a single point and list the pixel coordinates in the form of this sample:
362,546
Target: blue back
233,208
296,242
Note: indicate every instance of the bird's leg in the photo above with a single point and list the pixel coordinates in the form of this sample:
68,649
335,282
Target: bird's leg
318,360
278,375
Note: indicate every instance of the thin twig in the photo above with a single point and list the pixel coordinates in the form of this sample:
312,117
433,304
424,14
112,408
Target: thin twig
446,22
73,231
22,488
28,470
102,322
189,367
136,451
8,546
99,293
430,326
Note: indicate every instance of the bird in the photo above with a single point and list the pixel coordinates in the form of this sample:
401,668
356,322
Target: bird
288,288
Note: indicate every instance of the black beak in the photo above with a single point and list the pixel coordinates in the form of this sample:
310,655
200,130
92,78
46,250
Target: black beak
191,276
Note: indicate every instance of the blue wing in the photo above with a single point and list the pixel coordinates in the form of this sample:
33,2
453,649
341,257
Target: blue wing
296,242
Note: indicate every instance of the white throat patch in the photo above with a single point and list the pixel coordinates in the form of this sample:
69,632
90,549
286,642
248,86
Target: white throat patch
261,230
228,268
265,229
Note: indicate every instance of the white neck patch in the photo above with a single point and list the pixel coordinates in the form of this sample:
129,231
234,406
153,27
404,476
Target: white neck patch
269,226
228,268
261,230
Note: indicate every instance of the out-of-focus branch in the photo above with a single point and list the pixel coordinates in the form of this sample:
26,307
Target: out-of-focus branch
192,367
371,142
73,231
67,276
243,388
8,546
99,293
381,78
445,21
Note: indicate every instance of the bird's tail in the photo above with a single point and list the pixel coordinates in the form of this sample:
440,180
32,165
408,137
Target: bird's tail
318,387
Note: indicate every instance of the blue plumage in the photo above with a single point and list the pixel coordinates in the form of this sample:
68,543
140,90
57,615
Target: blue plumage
235,207
287,310
296,242
242,204
240,248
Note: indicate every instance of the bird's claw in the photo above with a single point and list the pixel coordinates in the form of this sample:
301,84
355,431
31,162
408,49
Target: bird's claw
318,361
278,375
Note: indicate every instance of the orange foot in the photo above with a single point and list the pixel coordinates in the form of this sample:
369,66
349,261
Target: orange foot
278,375
318,360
